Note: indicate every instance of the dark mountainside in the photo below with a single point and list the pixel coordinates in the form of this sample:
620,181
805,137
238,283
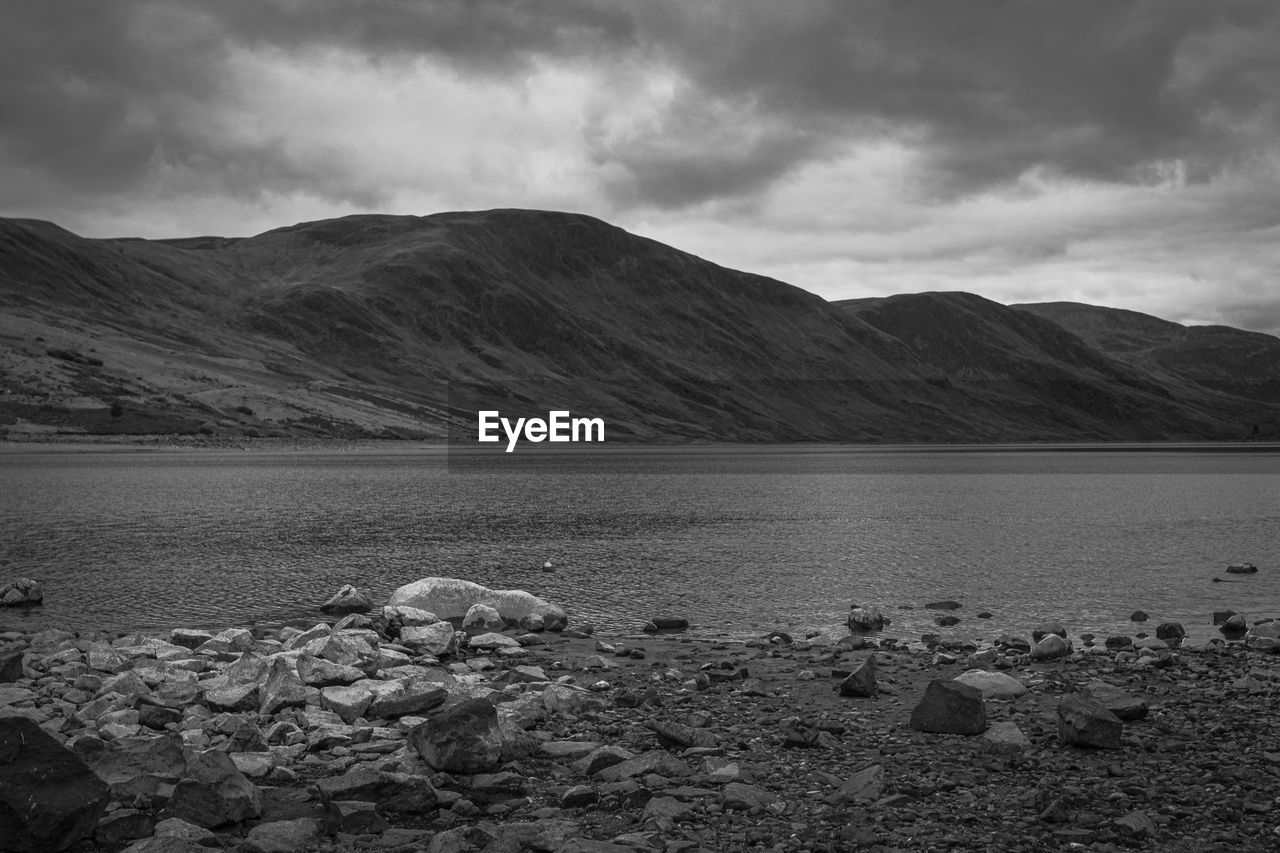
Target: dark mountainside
1245,364
401,326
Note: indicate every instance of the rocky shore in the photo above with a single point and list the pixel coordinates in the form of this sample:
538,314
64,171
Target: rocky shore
398,729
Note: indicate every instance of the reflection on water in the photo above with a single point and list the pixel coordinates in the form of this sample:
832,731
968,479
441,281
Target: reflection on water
738,540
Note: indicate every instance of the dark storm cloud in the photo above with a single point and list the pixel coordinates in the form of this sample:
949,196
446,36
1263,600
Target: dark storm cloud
99,95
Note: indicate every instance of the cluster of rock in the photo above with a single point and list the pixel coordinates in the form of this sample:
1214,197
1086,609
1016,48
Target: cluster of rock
399,730
21,592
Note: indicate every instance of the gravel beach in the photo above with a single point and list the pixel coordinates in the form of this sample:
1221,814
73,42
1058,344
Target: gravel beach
397,731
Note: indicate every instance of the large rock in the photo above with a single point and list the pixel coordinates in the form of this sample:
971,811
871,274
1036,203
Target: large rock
283,836
451,598
1083,722
49,798
213,792
346,600
1171,632
464,738
949,707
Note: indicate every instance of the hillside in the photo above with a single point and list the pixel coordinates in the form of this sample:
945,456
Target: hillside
402,326
1218,358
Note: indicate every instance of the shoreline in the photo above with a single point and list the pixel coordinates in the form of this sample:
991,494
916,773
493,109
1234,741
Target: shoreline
721,745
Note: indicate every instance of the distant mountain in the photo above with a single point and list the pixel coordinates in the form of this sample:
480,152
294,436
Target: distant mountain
1219,358
402,326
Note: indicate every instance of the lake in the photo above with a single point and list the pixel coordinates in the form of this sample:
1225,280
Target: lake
740,540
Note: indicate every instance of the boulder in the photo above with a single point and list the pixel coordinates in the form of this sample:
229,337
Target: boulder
949,707
464,738
862,681
451,598
1242,569
49,798
993,685
1005,738
22,592
482,619
866,619
346,600
1083,722
213,792
1138,616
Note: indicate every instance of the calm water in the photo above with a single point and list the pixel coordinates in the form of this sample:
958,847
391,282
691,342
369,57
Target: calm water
738,540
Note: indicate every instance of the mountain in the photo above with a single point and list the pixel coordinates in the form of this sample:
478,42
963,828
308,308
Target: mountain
404,326
1219,358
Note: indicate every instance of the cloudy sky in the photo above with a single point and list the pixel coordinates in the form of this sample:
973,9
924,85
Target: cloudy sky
1124,153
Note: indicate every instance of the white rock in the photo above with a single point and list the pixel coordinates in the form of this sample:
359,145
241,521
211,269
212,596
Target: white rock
994,685
451,598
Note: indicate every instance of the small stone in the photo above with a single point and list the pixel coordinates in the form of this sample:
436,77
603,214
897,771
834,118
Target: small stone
482,619
943,605
578,796
1049,647
282,836
354,817
748,798
1004,739
1170,632
1044,629
866,619
1138,616
346,600
1124,705
865,786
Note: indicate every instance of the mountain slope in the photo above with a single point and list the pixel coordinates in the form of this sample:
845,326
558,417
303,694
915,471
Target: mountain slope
406,326
1218,358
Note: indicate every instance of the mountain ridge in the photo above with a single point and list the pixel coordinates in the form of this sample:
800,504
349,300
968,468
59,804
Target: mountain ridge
377,325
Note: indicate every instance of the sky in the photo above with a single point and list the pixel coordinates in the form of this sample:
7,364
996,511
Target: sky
1116,152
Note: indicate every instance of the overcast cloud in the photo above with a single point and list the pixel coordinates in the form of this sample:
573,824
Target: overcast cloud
1120,153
